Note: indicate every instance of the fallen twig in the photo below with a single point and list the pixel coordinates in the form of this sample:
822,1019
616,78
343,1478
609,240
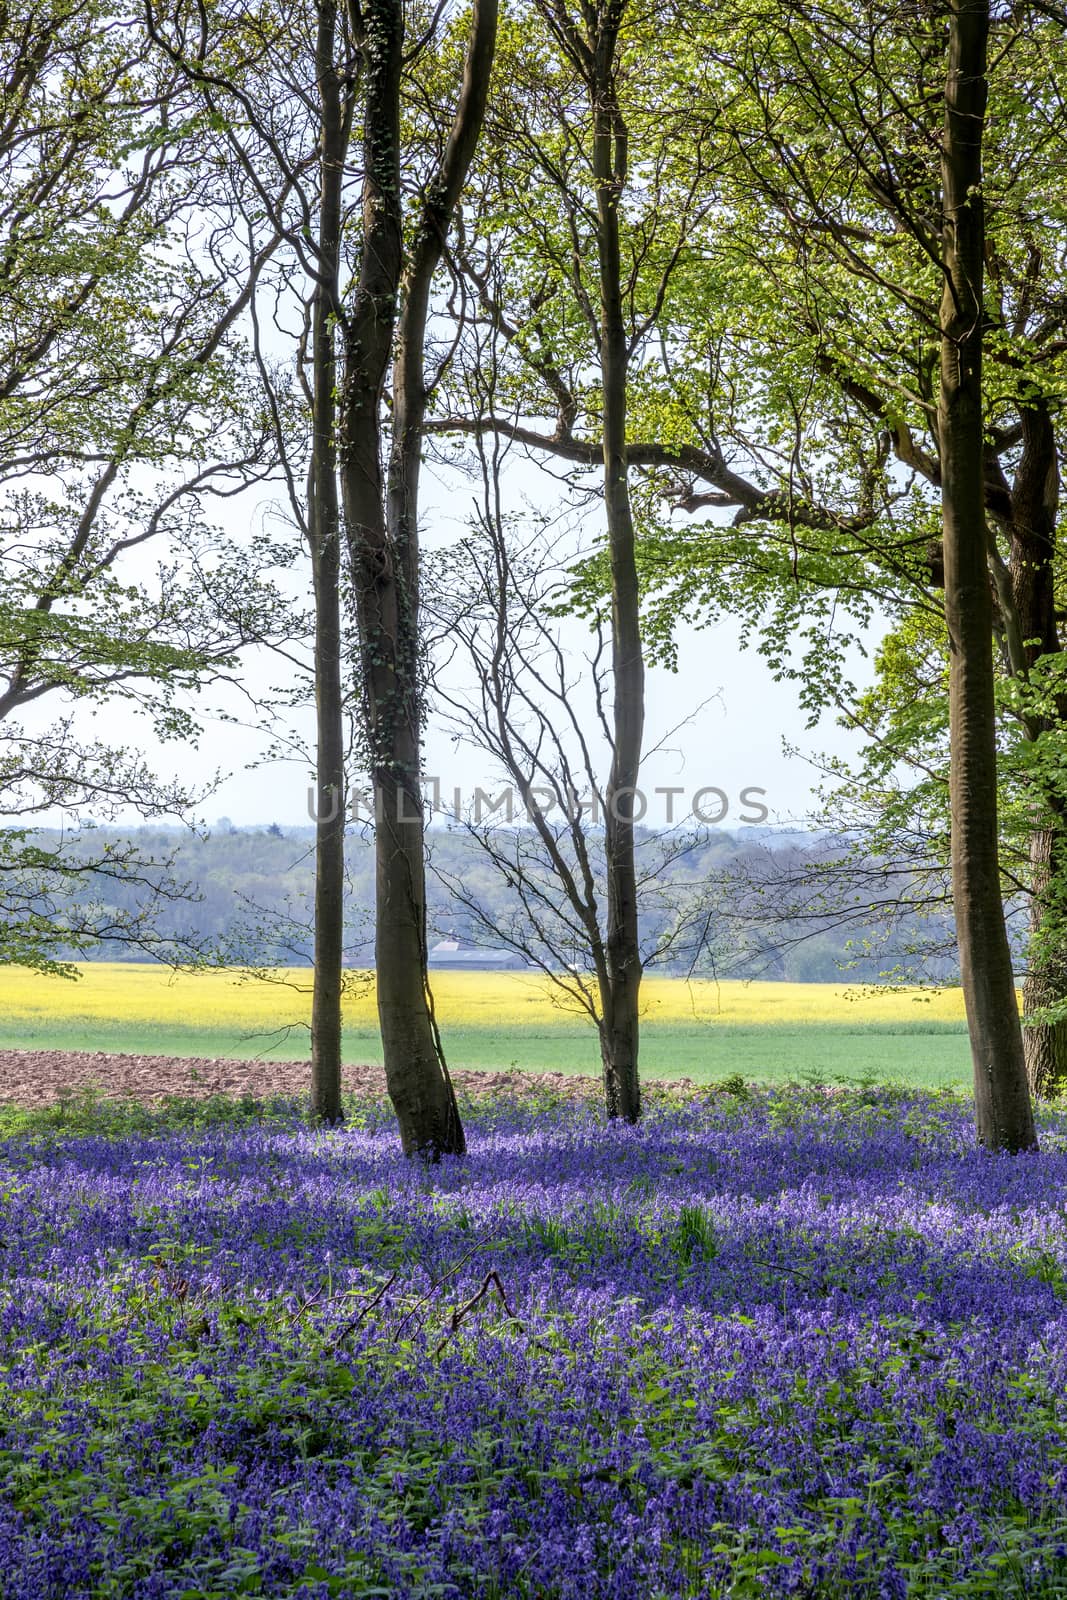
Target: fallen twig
413,1310
365,1311
490,1281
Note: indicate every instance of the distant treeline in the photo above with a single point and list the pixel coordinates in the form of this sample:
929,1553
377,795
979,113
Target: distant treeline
780,906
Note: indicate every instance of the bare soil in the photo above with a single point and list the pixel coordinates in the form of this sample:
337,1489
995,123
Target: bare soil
43,1077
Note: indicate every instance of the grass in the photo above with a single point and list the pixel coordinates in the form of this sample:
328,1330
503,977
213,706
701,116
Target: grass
768,1032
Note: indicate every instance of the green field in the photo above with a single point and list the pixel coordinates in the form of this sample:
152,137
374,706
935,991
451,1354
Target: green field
920,1057
701,1031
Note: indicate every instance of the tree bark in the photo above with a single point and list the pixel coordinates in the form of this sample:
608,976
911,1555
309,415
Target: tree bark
620,1027
1031,531
1045,983
1003,1111
324,537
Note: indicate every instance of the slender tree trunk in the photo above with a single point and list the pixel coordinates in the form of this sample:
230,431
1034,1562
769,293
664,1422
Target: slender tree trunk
1045,984
619,1037
1004,1116
405,1005
1034,634
325,540
329,840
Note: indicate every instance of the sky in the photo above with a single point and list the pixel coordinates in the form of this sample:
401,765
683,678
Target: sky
716,728
720,723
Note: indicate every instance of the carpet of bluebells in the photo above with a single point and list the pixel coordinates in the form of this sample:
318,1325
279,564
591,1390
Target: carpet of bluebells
766,1344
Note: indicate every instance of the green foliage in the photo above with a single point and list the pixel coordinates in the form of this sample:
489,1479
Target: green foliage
788,415
124,414
696,1238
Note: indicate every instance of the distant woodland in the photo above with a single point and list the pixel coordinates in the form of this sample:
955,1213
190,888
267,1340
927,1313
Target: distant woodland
799,907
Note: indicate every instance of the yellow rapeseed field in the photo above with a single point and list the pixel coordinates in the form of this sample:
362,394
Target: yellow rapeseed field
142,994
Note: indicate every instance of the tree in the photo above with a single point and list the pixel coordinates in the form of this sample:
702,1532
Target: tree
282,119
547,833
278,118
835,244
595,56
569,260
877,226
365,319
323,532
381,528
1002,1101
892,139
120,423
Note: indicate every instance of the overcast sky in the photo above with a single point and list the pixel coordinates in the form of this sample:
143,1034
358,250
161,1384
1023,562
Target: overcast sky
729,720
734,743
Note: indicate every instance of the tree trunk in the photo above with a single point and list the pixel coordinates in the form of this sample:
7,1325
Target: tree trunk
382,526
418,1086
1003,1112
329,839
415,1071
417,1077
324,536
1032,632
620,1026
1045,984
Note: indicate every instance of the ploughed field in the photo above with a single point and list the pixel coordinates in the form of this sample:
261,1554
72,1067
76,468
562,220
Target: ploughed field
774,1342
502,1021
